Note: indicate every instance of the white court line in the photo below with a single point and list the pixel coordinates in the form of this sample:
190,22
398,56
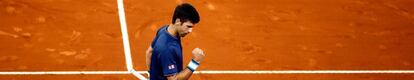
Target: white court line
138,73
125,40
305,72
63,72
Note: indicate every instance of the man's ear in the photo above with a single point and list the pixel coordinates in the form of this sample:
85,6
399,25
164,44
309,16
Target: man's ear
177,21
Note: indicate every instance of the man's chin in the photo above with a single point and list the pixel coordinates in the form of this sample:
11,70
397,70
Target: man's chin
183,35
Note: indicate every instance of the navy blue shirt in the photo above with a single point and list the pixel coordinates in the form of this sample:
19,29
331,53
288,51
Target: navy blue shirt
166,56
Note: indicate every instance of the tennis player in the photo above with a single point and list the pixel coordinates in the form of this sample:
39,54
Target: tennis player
164,57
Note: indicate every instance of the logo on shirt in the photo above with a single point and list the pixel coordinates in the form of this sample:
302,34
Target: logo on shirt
171,66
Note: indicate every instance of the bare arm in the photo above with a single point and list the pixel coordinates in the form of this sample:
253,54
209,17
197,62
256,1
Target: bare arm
148,54
183,75
198,56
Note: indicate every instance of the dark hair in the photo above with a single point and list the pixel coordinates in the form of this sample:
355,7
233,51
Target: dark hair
184,12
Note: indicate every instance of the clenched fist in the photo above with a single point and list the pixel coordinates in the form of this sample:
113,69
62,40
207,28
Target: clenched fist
198,55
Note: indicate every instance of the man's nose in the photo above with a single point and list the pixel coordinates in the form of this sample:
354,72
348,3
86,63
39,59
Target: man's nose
190,30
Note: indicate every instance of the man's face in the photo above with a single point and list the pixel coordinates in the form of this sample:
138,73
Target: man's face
185,28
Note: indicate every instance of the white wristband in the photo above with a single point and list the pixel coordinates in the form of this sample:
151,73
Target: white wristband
193,65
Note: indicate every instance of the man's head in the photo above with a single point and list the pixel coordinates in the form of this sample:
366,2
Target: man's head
185,17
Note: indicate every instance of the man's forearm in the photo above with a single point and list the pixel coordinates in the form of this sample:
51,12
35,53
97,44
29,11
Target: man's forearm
192,66
187,72
183,75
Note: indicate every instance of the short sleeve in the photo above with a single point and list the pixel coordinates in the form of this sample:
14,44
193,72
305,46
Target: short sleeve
156,36
168,63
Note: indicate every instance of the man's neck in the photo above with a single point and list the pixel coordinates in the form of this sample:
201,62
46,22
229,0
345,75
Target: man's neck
171,30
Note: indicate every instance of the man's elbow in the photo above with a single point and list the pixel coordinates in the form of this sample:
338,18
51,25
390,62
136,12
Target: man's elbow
173,77
149,50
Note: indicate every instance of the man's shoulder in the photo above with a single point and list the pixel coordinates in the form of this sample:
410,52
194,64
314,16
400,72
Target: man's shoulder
161,36
167,47
162,28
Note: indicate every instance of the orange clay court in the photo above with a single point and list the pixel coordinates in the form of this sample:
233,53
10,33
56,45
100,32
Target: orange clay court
269,39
